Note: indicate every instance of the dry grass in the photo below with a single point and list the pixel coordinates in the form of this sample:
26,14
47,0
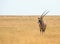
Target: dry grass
25,30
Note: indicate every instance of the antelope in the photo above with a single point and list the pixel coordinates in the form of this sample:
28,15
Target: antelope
41,22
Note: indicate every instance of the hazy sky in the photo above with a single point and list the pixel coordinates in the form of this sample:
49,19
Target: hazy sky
27,7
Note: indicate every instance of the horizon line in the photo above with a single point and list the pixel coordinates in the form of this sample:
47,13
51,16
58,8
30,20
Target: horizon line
28,15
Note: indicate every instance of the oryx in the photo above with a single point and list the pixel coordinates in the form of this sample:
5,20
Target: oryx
41,22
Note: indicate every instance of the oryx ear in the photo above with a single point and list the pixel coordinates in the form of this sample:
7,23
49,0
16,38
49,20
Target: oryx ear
38,18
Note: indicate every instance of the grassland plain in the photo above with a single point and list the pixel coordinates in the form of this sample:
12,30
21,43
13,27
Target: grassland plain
25,30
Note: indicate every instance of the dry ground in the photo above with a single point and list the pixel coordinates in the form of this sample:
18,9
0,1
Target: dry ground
25,30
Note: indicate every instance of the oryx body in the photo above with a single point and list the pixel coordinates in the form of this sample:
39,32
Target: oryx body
41,22
42,25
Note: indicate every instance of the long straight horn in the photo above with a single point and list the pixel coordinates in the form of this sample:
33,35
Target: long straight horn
45,13
42,14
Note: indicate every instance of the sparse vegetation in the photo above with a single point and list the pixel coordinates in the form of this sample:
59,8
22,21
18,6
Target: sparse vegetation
25,30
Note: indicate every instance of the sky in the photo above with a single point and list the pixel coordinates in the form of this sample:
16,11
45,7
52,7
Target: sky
29,7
